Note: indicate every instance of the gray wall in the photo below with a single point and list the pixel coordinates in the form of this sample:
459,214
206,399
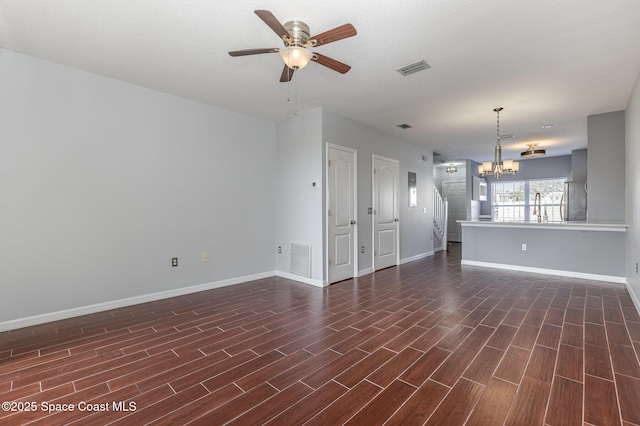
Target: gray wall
299,210
632,144
579,165
587,252
536,168
102,183
416,227
606,168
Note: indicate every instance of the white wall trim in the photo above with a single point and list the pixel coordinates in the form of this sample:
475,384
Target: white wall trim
120,303
299,278
402,262
364,272
633,295
417,257
556,272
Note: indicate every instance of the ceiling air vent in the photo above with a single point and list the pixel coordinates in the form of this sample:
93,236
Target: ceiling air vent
414,68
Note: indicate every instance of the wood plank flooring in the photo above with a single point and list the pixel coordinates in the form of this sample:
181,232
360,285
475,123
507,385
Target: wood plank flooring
428,342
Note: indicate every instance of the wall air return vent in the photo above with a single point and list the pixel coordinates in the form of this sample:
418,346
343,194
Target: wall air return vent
414,68
301,259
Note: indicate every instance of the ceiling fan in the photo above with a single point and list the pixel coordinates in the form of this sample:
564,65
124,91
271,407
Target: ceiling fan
296,38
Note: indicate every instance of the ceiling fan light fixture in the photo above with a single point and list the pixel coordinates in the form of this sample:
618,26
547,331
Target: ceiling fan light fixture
532,152
296,39
296,57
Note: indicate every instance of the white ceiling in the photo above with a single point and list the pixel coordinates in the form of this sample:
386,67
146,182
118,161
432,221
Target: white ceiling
544,61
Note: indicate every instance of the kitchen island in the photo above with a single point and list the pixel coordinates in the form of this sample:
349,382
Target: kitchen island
592,251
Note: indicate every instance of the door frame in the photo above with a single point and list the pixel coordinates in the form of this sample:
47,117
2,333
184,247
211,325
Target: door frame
373,203
326,209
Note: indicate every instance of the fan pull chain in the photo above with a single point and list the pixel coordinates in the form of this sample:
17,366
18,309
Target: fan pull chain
295,93
295,88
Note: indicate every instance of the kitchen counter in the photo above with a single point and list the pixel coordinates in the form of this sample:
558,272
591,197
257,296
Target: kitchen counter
572,249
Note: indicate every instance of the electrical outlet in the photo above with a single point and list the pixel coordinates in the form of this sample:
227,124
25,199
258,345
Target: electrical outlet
362,249
279,249
174,262
524,247
205,256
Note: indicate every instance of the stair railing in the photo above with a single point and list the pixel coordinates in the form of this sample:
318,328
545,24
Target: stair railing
440,214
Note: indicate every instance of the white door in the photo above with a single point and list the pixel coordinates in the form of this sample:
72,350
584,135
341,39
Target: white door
385,212
341,216
456,194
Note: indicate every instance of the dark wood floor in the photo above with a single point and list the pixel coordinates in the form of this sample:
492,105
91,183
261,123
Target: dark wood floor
427,342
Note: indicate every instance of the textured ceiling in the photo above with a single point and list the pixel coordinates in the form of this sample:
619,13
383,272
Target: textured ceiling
544,61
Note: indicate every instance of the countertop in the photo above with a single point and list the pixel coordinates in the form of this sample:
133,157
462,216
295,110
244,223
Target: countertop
575,226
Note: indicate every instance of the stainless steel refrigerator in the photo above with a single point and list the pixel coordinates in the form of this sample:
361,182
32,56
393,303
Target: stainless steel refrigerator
574,202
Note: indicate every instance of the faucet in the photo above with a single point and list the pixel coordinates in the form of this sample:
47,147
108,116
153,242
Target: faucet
537,206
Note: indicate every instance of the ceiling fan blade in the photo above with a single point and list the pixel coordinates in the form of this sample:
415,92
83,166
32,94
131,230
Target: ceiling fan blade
272,22
287,74
338,33
331,63
246,52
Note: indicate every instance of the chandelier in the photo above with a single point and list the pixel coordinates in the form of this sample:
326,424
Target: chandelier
498,167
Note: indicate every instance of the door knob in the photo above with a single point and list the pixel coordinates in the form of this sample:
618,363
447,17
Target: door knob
353,222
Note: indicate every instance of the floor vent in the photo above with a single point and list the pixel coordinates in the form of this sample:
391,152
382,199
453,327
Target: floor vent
414,68
301,259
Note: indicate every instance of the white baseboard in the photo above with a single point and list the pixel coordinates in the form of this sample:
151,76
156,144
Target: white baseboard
363,272
115,304
299,278
417,257
633,295
402,262
556,272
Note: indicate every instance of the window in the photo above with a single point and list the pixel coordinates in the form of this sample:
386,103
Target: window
516,200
